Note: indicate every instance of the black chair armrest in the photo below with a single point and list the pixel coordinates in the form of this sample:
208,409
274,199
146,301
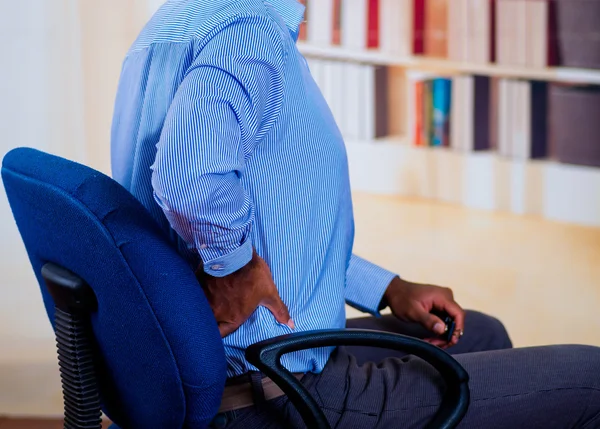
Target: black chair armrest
266,356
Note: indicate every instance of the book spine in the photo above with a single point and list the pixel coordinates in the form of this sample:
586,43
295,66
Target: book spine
419,90
418,26
336,36
492,33
373,24
381,102
427,113
441,111
481,112
302,30
539,119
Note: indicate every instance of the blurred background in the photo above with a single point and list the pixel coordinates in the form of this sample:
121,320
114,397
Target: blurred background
472,129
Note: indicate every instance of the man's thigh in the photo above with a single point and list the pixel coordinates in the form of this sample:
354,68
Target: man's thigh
544,387
482,333
535,388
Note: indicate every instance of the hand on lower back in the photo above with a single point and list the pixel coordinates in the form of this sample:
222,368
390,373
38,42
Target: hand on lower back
235,297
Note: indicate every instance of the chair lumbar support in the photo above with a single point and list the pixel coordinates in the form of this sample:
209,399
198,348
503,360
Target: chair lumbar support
74,302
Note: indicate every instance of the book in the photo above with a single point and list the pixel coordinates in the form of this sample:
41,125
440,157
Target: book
436,26
481,114
302,32
427,115
354,15
336,37
418,123
373,24
442,90
354,109
418,27
395,26
320,22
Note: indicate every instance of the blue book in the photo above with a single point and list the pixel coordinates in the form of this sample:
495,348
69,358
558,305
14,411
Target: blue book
442,91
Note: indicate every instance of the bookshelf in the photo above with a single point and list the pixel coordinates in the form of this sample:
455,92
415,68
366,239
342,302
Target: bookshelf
479,180
553,74
490,104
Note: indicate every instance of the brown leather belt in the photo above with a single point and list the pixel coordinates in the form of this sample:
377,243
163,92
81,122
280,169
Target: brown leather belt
239,396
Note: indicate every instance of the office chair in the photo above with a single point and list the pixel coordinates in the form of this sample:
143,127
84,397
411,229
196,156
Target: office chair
135,334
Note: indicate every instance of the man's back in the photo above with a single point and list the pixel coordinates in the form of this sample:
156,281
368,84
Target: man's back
221,132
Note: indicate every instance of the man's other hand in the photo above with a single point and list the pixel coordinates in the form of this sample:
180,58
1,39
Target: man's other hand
413,302
235,297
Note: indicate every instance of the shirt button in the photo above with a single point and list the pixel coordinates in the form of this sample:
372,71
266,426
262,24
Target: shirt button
217,267
203,246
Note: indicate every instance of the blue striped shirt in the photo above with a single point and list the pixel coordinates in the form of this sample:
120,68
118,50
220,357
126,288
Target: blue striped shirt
221,132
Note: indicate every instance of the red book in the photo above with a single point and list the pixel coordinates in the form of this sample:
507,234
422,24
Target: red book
373,24
336,38
419,89
419,27
302,29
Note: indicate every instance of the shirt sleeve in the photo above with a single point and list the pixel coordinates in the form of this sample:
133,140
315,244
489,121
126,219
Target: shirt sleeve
230,98
365,285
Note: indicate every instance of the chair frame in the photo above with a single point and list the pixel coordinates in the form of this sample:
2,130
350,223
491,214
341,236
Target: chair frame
75,302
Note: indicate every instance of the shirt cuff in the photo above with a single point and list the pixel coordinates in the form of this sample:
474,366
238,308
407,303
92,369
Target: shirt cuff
230,263
365,285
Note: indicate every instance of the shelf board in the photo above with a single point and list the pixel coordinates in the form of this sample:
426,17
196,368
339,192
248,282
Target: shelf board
480,180
555,74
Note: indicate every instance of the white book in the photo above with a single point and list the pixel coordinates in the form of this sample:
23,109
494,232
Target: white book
317,70
520,36
537,35
479,17
502,48
368,101
522,118
328,87
504,117
395,26
353,107
526,114
456,110
338,94
354,24
468,88
515,134
319,22
464,28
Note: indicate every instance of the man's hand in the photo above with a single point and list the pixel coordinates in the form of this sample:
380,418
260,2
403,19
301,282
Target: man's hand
412,302
234,298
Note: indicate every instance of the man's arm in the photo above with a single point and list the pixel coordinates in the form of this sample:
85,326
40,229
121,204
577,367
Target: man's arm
371,288
366,284
230,98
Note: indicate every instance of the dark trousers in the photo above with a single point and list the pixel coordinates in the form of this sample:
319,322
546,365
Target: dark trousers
363,388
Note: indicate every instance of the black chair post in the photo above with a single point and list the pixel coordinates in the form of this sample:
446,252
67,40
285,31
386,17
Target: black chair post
74,302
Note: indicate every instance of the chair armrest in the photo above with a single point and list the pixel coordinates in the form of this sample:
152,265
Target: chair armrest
266,356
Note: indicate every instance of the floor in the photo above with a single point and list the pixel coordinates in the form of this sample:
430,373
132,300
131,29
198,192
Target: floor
541,278
34,424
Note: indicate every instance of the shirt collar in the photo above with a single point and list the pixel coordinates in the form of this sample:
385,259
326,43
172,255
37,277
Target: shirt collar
292,13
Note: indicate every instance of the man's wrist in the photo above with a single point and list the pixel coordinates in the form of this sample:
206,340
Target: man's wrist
394,289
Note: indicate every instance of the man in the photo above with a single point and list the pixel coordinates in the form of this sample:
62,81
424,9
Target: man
220,131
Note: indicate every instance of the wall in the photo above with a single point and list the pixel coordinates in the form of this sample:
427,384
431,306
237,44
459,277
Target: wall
61,61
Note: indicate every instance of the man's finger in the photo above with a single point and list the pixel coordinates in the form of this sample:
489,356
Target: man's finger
279,310
432,323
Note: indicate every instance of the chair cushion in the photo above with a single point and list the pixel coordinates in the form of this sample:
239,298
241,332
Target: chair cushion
162,359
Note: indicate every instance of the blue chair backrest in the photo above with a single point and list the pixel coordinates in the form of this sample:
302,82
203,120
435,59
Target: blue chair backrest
162,359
